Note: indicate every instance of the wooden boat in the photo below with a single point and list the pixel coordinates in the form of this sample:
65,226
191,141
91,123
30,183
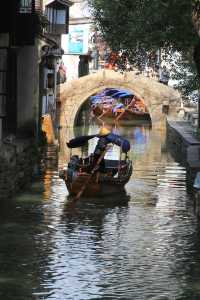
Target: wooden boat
120,114
127,107
101,177
112,180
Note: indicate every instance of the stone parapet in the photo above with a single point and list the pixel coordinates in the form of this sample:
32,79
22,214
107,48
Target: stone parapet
185,147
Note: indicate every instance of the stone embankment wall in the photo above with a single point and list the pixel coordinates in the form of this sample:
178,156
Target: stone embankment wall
18,161
185,147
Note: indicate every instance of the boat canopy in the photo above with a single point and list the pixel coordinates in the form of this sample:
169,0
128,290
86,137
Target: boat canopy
101,99
122,94
80,141
119,141
110,93
110,138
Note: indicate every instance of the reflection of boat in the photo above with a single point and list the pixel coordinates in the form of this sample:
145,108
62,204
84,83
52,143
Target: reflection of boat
82,173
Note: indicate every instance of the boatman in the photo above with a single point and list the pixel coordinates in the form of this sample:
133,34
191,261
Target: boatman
100,148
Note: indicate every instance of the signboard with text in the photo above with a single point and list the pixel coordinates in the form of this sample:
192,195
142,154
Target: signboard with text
77,42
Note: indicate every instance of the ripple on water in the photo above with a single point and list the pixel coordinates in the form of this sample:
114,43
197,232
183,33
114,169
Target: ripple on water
140,245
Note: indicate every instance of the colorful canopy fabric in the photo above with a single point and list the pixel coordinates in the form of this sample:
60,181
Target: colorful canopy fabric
122,94
103,99
119,141
110,93
118,106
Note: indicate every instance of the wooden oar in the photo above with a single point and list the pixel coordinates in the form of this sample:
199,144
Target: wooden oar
103,113
92,173
121,114
99,117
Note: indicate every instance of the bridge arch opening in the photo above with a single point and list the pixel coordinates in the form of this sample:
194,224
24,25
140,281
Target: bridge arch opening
112,104
82,114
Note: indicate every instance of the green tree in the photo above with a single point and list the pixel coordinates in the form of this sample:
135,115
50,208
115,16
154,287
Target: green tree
140,26
146,24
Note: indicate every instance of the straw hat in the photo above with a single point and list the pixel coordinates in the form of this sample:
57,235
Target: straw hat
104,131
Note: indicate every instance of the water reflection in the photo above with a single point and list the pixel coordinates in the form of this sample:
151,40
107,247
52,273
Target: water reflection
143,244
139,137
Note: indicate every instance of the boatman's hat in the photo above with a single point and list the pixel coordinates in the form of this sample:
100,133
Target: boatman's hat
104,131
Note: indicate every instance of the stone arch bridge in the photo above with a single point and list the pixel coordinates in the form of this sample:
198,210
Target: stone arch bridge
160,99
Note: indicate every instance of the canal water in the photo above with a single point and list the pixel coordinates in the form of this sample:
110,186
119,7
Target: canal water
143,244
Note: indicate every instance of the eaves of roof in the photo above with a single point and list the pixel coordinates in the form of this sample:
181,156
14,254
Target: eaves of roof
63,2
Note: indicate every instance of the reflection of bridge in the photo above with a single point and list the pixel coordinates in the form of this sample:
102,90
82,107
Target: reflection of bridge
160,100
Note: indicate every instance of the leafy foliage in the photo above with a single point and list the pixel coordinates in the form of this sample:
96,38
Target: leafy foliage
148,24
183,72
140,26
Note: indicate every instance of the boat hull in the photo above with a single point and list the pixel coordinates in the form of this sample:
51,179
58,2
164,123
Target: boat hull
94,189
97,185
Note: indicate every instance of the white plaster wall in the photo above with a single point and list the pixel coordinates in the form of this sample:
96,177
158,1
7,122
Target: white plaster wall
79,10
78,14
71,63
